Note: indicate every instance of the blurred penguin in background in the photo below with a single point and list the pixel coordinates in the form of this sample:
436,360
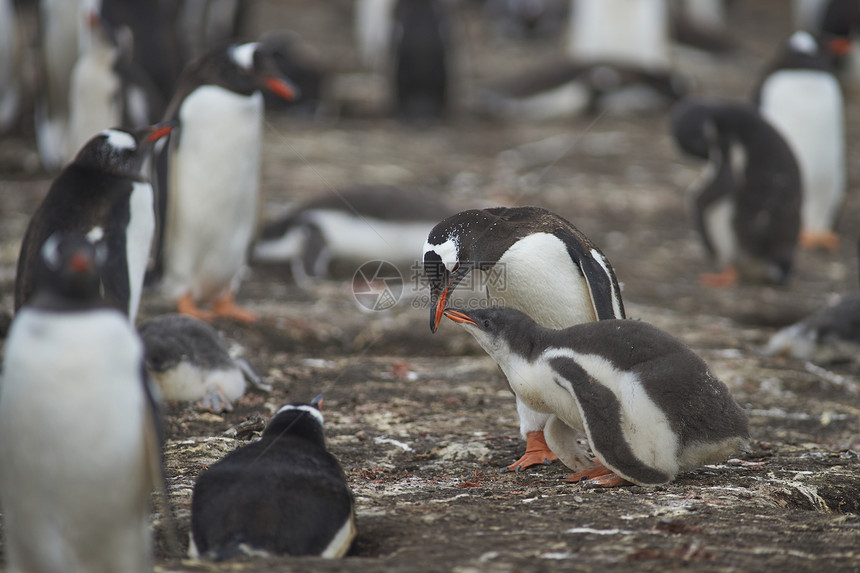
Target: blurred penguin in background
701,24
800,95
10,66
373,24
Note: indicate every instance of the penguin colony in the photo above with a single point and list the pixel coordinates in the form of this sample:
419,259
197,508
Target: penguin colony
158,171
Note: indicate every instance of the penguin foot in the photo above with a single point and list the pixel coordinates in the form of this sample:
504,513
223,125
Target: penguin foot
226,307
827,240
186,305
537,452
599,476
215,401
727,278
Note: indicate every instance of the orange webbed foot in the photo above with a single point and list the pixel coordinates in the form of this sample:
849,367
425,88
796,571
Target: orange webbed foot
186,305
537,453
598,476
728,277
827,240
226,307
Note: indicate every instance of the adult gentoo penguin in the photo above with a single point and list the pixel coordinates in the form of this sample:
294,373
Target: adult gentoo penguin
536,262
105,195
747,208
213,176
284,494
189,360
801,96
647,404
80,452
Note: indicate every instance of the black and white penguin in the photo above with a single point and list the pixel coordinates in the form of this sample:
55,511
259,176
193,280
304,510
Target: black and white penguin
748,208
76,480
284,494
358,224
189,361
106,88
297,60
800,95
533,260
213,177
104,194
647,404
422,59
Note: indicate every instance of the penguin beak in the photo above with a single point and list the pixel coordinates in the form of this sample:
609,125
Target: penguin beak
458,316
281,88
317,402
160,130
438,309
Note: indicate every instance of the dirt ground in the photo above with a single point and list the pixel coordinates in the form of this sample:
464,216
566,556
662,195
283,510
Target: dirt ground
422,423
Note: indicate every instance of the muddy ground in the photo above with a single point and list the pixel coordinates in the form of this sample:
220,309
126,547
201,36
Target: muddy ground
422,423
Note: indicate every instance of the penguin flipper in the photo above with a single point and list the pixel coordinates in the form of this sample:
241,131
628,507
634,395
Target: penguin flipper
601,281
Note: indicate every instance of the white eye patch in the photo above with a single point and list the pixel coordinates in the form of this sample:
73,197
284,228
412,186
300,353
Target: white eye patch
447,251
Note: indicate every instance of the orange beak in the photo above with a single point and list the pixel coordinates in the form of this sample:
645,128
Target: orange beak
440,309
159,132
458,316
280,88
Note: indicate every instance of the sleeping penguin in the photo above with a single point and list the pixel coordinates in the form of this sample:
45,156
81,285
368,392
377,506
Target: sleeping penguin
647,404
284,495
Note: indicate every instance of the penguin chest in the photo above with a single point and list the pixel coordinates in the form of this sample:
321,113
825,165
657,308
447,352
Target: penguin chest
806,106
141,228
537,276
94,98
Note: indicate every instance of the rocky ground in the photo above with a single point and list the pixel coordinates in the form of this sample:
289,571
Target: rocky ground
422,423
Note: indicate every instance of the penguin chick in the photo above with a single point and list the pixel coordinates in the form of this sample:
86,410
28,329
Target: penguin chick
212,177
105,195
647,404
747,208
801,96
532,260
357,224
188,360
76,480
284,494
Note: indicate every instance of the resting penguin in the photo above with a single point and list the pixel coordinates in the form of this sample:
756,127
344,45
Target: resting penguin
801,96
76,480
284,494
104,194
213,176
747,209
188,360
647,404
533,260
358,224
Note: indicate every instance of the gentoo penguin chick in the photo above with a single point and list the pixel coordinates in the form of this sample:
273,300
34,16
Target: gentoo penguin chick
357,224
800,95
422,59
76,480
747,209
647,404
104,194
189,360
213,177
532,260
106,88
284,494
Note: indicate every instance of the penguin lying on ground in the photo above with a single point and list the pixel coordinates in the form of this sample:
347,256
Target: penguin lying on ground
105,195
76,480
189,361
647,404
747,210
212,177
800,95
284,494
532,260
357,224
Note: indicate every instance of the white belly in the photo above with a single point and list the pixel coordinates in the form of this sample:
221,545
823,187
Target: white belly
632,32
214,181
366,238
807,109
141,228
73,477
537,276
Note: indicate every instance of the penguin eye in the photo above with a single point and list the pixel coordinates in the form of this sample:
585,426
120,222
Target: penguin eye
487,323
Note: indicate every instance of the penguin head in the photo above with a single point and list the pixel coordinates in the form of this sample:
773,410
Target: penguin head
693,126
303,420
499,330
244,69
119,151
69,272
